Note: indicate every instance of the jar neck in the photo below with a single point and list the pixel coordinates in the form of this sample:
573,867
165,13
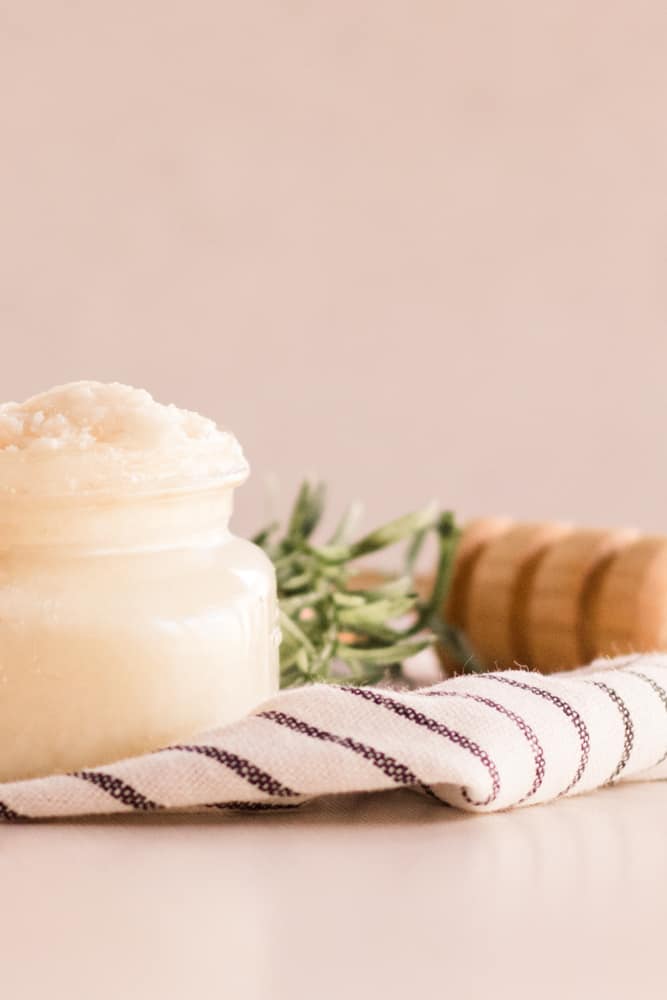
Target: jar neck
110,524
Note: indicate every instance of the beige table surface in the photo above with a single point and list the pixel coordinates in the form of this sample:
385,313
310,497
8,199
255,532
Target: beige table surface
386,896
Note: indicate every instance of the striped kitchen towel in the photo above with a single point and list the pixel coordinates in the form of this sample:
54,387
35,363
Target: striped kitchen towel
483,742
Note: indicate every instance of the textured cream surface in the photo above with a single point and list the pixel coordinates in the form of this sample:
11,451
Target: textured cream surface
93,436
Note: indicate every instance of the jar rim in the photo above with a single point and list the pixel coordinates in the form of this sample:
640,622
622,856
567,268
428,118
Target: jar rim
109,523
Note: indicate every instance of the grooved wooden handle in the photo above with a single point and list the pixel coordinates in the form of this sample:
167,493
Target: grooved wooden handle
552,597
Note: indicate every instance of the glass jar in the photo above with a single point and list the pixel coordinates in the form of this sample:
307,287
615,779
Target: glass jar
126,623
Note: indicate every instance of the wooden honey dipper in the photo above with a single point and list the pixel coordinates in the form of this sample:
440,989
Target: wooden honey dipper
554,597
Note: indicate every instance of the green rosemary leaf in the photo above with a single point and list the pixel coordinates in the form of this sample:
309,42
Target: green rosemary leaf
347,600
333,555
307,511
289,627
395,531
385,654
263,537
414,550
398,587
334,632
376,612
345,525
379,634
298,582
291,606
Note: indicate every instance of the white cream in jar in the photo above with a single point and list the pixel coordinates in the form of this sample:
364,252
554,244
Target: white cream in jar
130,616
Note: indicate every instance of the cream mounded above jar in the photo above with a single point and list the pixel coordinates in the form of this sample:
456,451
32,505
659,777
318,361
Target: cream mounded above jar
130,616
90,437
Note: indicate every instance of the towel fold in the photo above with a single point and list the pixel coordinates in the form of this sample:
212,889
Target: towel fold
482,743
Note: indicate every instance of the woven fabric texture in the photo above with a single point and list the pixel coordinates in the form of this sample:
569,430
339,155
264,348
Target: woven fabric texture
481,743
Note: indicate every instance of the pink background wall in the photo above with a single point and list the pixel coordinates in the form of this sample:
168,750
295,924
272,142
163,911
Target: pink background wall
417,247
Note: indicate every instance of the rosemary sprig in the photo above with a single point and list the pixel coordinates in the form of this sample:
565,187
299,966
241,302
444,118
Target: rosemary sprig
336,633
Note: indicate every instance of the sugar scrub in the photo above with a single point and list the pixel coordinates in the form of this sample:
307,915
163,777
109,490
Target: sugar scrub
130,616
88,437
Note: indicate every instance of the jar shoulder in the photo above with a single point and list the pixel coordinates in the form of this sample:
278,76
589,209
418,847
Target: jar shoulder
242,551
245,561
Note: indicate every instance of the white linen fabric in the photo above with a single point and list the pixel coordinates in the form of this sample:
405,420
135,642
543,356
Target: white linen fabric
480,742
